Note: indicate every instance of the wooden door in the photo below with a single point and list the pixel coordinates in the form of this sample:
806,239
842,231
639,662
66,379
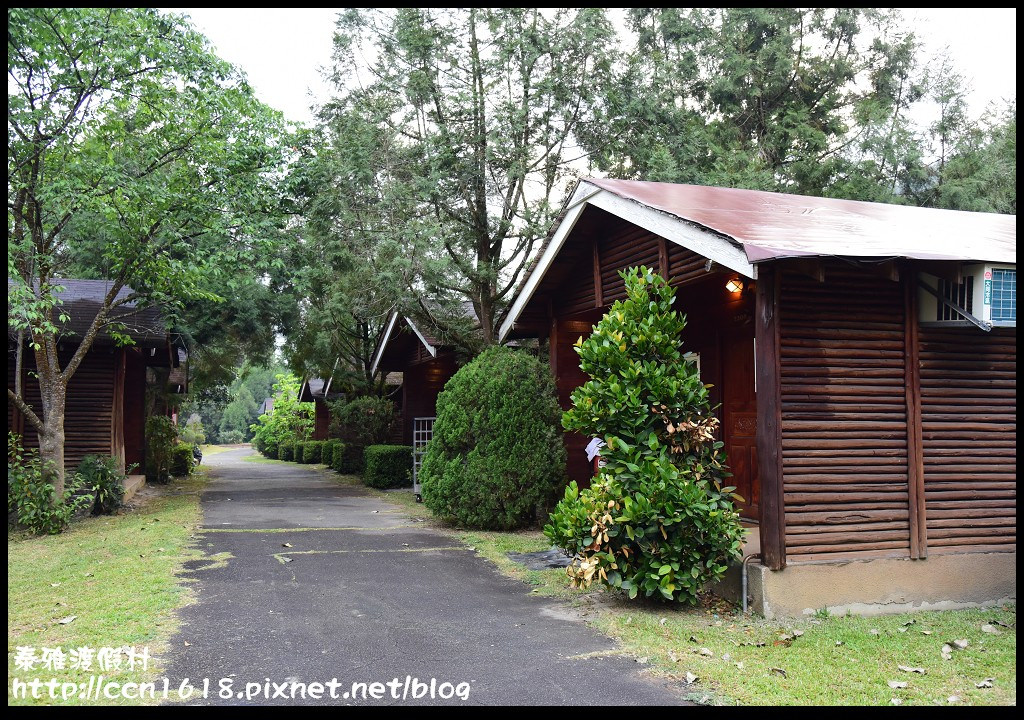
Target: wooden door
739,414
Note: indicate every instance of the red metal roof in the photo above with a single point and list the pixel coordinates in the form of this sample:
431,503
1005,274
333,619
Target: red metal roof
772,225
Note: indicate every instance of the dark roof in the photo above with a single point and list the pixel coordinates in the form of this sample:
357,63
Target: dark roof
81,301
312,388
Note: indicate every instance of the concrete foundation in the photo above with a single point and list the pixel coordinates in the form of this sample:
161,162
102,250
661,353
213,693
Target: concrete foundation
132,483
878,586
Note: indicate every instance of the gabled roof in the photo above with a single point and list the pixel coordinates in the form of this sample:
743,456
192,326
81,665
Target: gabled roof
771,225
312,388
82,299
393,327
738,229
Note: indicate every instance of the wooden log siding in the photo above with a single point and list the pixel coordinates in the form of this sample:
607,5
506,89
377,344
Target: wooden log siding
88,413
626,246
969,422
844,424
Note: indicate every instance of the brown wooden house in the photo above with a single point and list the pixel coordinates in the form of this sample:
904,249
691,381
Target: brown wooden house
318,392
425,362
106,401
863,358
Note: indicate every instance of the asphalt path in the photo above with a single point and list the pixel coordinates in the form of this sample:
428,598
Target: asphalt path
325,581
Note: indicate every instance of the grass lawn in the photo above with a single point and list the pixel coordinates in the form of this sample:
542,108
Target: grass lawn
747,660
117,575
751,661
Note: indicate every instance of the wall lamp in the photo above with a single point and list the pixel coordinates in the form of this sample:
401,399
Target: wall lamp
734,285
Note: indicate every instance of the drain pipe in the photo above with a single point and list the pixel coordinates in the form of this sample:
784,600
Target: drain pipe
743,574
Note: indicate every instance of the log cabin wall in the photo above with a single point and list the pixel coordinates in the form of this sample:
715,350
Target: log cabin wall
88,415
969,438
321,419
421,384
134,411
898,440
843,416
719,328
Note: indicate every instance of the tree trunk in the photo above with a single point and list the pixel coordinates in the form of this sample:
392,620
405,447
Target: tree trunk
51,442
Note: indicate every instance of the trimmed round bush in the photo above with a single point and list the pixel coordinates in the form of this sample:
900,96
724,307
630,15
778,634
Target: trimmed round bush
312,451
182,460
497,453
388,466
285,451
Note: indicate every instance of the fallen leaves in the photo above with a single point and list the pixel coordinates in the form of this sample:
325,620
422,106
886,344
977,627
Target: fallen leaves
691,678
66,620
991,629
986,683
907,668
898,684
778,671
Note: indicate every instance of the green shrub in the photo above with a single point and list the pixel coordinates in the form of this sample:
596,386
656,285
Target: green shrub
160,439
338,456
327,454
182,460
30,494
232,437
290,419
312,451
352,461
497,453
285,451
657,520
298,448
102,475
366,420
388,466
193,433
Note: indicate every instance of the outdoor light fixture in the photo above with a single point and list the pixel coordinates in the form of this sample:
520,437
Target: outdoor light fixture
734,285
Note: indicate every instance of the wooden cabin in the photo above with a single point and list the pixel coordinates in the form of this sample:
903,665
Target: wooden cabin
863,358
425,362
315,390
106,407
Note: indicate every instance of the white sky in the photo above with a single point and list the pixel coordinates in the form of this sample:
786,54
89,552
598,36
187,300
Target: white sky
282,49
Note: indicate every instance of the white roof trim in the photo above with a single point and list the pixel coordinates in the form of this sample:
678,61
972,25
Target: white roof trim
430,348
327,387
575,208
383,343
387,337
685,234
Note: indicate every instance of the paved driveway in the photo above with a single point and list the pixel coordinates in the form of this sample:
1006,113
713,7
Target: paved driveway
325,581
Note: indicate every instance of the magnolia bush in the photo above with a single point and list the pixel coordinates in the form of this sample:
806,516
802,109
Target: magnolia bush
659,518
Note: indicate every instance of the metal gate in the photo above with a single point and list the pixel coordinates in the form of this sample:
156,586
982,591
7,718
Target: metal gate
422,431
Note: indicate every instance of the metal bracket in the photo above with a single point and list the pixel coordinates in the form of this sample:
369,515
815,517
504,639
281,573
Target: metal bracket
986,326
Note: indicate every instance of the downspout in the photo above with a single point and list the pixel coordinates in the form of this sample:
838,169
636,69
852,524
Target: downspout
743,575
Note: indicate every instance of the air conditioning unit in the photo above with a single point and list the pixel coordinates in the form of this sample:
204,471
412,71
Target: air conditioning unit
987,292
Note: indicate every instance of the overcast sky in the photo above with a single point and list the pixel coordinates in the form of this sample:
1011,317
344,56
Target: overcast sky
281,50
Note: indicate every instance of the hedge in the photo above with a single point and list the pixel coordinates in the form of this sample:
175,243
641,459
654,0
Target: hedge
327,454
352,462
285,451
388,466
312,451
297,450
